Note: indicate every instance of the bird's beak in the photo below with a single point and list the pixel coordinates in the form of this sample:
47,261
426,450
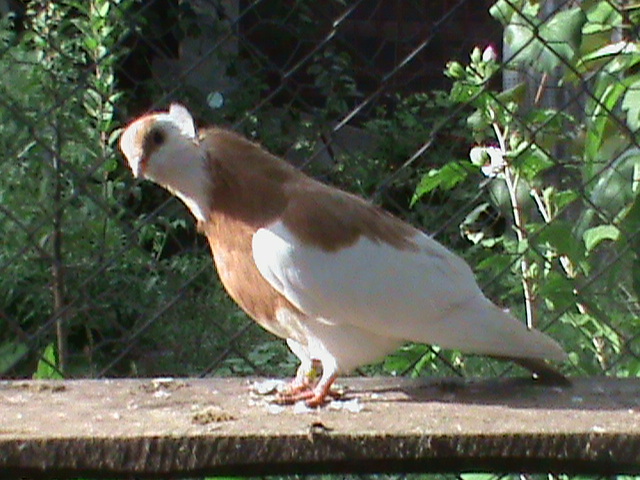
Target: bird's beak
138,167
138,171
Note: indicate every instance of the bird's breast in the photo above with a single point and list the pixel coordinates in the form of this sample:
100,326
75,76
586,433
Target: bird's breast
230,243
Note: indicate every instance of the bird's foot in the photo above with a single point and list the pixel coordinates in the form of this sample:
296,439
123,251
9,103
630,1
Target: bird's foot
297,394
306,379
298,385
294,388
313,395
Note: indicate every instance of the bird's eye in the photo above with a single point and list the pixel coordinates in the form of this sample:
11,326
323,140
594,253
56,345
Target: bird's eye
157,137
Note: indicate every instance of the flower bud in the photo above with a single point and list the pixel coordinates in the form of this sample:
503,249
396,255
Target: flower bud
455,70
489,54
476,55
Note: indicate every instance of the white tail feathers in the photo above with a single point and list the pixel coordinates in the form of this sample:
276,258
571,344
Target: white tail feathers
481,327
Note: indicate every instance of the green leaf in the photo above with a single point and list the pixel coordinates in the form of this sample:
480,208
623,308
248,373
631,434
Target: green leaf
611,58
478,121
90,43
408,357
517,94
559,236
631,369
631,104
444,178
602,18
615,187
558,200
533,161
600,113
548,45
92,102
635,276
47,365
630,225
594,236
465,92
477,476
498,264
557,290
111,164
595,327
114,136
505,10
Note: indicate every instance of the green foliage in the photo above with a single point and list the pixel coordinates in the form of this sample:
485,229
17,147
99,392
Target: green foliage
62,177
30,82
445,178
409,360
562,234
11,352
332,76
540,43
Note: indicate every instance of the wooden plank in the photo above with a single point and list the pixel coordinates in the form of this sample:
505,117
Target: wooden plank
194,427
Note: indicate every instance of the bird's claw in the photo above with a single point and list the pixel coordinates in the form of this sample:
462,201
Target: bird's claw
307,395
312,395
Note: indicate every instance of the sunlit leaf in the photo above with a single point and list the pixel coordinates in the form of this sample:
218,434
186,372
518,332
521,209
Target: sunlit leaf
631,104
47,365
444,178
602,17
505,10
594,236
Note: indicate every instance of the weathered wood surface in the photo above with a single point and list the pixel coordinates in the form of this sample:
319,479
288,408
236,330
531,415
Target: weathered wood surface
190,427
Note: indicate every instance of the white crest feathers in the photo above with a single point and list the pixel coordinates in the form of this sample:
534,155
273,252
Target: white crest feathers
183,119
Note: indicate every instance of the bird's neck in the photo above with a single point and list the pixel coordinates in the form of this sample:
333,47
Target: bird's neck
192,185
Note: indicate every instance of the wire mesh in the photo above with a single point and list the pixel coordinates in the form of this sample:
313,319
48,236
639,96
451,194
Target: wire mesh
507,129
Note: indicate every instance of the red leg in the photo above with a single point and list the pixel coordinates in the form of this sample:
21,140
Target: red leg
301,387
313,396
320,393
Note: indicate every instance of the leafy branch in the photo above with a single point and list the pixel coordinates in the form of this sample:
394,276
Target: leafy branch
570,181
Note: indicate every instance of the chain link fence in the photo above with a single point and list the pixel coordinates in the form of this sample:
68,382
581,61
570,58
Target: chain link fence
507,129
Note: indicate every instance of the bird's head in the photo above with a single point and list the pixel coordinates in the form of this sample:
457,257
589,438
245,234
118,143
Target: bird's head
163,147
159,146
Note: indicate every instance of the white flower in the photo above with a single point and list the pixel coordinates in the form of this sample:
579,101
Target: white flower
489,159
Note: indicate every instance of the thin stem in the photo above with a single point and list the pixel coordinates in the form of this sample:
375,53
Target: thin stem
512,178
57,257
57,267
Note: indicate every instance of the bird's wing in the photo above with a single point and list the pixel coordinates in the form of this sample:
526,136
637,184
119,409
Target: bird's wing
425,294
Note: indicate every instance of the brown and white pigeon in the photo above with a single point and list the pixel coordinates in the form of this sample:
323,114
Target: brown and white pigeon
344,282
